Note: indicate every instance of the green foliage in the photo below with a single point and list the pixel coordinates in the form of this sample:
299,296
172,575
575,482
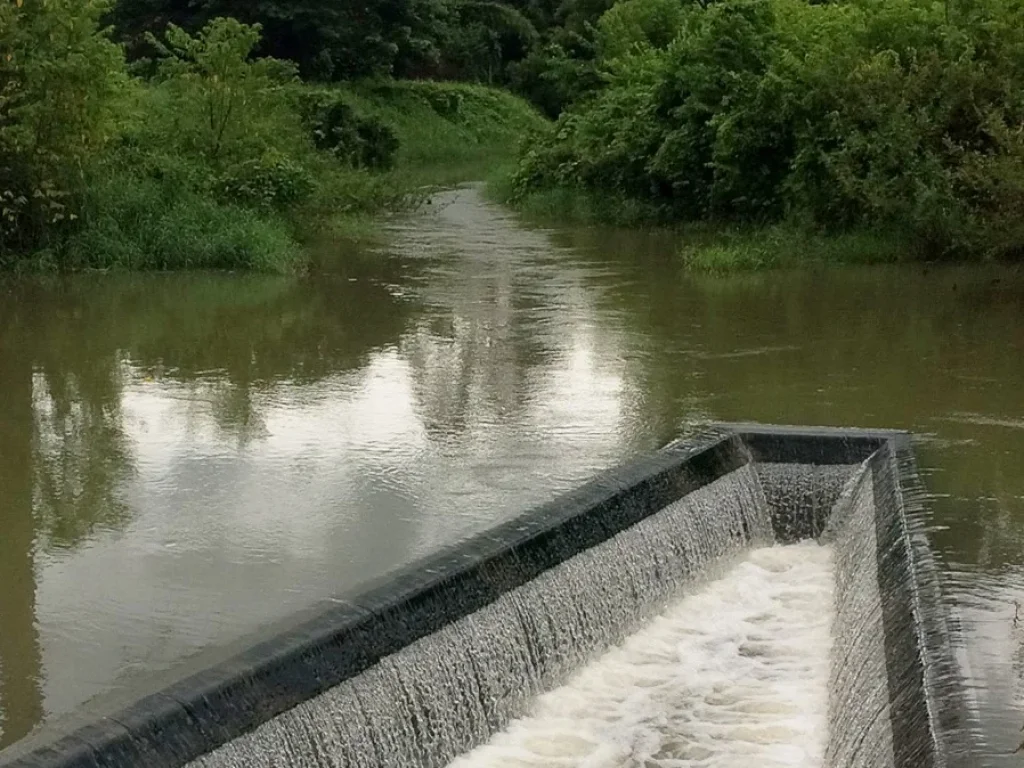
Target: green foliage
720,250
60,83
360,141
542,48
211,167
558,73
224,104
140,223
328,39
447,132
271,182
222,160
484,39
632,24
851,115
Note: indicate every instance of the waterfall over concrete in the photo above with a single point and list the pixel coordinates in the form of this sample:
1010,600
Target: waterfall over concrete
858,684
733,675
448,692
752,596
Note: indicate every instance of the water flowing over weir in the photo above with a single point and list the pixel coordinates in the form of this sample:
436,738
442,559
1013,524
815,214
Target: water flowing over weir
446,693
435,661
733,675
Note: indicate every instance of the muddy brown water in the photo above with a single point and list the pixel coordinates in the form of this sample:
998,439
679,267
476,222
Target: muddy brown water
186,458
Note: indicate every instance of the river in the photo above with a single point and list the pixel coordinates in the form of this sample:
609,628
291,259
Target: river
187,458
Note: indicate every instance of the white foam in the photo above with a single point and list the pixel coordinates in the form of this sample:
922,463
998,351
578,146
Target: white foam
734,676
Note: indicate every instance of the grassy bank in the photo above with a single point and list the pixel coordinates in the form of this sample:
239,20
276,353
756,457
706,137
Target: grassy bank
172,216
447,132
210,158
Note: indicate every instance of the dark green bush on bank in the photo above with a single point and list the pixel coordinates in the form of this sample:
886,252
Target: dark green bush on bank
361,141
895,116
61,90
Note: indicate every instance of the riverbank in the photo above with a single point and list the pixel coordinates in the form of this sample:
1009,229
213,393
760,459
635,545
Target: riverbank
157,202
862,119
383,146
706,247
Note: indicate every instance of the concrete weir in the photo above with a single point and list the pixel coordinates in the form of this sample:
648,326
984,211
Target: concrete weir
439,658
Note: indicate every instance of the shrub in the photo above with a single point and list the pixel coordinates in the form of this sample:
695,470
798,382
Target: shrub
360,141
632,24
221,103
559,73
270,182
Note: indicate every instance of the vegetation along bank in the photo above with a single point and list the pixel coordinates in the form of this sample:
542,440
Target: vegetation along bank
166,133
205,154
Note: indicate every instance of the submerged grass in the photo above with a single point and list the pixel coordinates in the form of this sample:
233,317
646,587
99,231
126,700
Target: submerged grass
566,204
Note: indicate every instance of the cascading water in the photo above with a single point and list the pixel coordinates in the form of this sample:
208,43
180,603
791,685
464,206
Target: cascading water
447,693
861,730
895,694
733,676
762,654
800,496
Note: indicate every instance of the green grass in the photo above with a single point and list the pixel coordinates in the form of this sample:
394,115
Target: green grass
575,205
711,248
448,132
134,223
717,250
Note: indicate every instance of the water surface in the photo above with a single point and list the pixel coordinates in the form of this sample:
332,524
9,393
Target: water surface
186,458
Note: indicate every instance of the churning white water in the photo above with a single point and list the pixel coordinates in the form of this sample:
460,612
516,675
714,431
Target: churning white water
733,676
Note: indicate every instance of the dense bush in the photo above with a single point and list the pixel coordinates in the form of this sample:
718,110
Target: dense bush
360,141
272,181
558,73
483,39
630,25
896,115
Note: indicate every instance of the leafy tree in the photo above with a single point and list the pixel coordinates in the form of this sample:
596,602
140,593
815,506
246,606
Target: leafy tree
61,84
485,39
632,23
224,103
328,39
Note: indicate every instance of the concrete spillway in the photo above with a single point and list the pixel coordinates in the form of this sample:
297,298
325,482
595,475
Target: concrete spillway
753,596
